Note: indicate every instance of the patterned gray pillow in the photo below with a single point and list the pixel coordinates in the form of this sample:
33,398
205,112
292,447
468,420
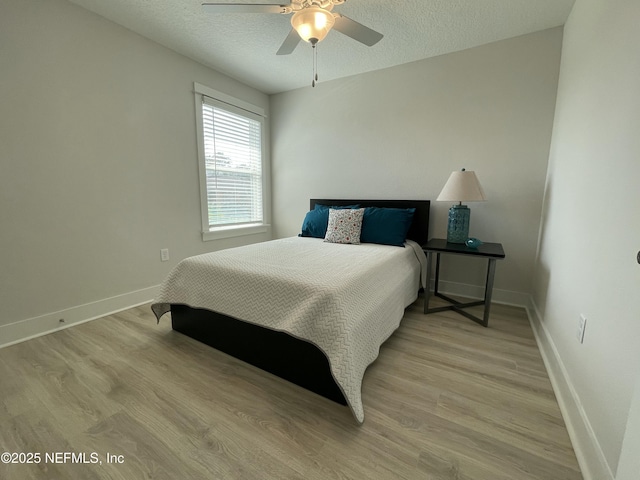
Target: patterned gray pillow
344,226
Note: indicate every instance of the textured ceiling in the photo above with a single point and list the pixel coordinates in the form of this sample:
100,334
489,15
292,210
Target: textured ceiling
243,46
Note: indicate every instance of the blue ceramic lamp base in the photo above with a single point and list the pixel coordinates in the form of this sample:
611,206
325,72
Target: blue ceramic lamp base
458,226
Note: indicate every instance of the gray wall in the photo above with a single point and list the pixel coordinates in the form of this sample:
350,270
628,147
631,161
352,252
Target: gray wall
591,232
98,161
400,132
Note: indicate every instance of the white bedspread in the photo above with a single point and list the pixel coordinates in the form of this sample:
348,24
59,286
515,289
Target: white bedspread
345,299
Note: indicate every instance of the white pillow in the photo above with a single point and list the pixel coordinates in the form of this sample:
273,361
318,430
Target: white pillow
344,225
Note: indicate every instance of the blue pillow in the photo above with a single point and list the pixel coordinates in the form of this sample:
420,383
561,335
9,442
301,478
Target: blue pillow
316,221
386,226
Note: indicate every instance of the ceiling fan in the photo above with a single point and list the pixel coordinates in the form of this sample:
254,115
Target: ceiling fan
311,21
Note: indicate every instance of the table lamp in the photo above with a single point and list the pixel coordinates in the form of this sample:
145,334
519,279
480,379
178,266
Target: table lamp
462,186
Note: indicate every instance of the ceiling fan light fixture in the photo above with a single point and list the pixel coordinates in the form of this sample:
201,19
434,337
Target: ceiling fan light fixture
312,23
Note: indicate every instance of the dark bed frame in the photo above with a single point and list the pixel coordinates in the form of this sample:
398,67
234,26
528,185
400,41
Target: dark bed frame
279,353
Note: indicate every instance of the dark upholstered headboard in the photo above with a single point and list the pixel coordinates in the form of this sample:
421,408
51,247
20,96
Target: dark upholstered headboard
419,231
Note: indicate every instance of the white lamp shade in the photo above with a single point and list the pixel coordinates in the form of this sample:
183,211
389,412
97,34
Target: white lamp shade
462,186
312,23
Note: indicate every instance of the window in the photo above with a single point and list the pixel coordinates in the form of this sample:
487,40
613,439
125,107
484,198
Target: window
231,143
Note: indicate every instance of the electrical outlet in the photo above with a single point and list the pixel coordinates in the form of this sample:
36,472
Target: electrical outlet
164,254
582,324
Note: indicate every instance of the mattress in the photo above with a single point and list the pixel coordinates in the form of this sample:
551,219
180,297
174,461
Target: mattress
345,299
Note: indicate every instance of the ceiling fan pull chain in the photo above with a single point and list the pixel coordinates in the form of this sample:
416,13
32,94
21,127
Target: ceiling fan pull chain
315,65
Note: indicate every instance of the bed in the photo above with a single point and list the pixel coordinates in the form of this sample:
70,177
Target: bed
320,331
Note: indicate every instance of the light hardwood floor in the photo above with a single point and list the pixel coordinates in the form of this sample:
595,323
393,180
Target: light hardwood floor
446,399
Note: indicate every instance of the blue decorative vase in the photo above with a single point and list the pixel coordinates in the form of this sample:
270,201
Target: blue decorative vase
458,226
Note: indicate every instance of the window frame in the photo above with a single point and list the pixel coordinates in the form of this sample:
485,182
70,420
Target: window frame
234,104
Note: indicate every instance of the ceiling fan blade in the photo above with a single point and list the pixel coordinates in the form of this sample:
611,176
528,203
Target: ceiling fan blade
290,43
245,7
356,30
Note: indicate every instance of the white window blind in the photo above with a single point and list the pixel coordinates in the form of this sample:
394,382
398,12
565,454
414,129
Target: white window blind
233,164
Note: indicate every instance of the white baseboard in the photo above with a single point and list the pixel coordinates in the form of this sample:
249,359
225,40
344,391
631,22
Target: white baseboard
34,327
591,459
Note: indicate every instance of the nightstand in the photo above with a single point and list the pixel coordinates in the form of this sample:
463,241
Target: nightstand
490,251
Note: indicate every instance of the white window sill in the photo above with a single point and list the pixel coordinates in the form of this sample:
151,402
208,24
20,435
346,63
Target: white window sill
229,232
